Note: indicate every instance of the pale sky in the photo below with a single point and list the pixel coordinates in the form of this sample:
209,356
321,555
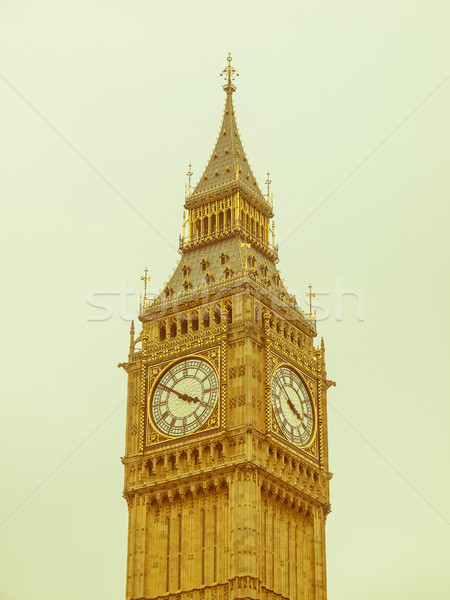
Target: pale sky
104,104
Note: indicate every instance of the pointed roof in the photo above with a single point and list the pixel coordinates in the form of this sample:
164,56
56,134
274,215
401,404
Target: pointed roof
228,164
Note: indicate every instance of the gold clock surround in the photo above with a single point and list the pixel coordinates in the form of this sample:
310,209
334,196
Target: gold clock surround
276,419
309,379
155,373
182,407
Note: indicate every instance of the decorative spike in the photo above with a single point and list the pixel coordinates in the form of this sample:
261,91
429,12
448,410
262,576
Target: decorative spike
310,295
189,175
132,338
268,182
145,278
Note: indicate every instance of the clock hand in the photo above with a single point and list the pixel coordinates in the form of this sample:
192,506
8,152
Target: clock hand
185,397
179,394
292,407
294,410
189,398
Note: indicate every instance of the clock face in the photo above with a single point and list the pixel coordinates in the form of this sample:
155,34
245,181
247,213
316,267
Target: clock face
184,397
292,406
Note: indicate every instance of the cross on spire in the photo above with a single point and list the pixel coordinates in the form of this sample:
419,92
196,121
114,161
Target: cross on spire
145,278
189,175
268,182
230,74
310,295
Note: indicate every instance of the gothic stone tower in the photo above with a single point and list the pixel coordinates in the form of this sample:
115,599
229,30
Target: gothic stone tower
226,463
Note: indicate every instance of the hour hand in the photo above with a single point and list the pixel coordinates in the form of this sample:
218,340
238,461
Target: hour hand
188,398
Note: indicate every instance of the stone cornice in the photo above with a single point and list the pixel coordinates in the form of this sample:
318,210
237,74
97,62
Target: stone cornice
310,487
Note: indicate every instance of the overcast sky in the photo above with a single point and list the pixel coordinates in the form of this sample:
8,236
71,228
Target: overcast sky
104,104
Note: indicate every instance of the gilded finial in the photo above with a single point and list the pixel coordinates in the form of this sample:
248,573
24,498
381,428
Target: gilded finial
189,175
230,74
132,338
145,278
268,182
310,295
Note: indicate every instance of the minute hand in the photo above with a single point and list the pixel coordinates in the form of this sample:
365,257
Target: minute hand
180,395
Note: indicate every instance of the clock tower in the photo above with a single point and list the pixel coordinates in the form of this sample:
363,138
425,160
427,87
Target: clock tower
226,461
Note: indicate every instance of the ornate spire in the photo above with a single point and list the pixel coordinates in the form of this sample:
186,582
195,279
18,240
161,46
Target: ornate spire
228,164
132,342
